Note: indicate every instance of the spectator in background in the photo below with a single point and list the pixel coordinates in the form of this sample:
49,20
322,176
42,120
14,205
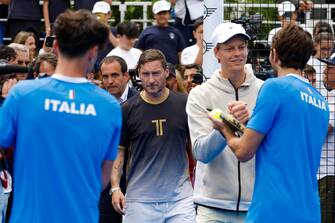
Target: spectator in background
322,27
28,39
51,9
310,74
7,53
326,173
44,65
187,12
190,78
323,47
87,4
22,53
102,11
193,54
24,15
127,32
162,36
115,79
287,14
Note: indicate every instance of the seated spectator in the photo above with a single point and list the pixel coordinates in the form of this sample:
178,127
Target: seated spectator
193,54
44,65
28,39
162,36
127,32
22,52
7,53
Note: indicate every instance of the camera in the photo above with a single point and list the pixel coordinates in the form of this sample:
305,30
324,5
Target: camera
258,52
49,40
252,24
198,77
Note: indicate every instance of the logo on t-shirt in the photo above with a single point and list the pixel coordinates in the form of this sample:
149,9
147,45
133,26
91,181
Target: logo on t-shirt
310,99
69,107
71,94
172,35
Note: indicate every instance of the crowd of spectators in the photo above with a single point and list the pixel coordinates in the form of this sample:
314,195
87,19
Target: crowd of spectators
167,58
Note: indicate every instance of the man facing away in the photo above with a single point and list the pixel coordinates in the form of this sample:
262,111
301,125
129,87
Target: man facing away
287,145
75,125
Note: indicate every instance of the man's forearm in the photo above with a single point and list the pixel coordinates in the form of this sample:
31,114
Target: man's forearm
206,148
117,169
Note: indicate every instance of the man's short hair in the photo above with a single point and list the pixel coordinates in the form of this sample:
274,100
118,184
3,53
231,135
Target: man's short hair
78,31
111,59
151,55
193,66
7,53
294,46
129,29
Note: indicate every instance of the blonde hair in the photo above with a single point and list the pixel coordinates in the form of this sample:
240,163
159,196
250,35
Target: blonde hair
22,37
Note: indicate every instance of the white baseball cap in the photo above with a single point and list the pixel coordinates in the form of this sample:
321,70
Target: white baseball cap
101,7
161,6
284,7
226,31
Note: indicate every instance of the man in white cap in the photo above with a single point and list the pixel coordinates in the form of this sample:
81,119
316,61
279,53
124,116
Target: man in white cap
286,14
162,36
234,89
102,11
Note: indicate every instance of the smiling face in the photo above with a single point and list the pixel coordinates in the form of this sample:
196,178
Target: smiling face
232,55
162,18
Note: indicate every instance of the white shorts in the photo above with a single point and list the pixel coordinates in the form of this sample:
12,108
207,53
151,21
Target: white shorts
160,212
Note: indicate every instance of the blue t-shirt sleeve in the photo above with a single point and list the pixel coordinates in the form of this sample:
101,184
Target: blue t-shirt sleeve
266,109
115,135
8,120
140,43
181,42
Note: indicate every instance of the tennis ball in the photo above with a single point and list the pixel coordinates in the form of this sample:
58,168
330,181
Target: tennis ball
216,114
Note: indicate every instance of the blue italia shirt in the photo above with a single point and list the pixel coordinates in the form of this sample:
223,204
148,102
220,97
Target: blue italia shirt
62,129
293,117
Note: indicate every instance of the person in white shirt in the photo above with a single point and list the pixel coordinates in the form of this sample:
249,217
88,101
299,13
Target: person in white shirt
193,54
287,14
127,34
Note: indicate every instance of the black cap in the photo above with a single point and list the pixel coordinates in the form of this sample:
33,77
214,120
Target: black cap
330,60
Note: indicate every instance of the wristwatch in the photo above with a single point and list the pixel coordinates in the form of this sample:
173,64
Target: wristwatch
113,189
